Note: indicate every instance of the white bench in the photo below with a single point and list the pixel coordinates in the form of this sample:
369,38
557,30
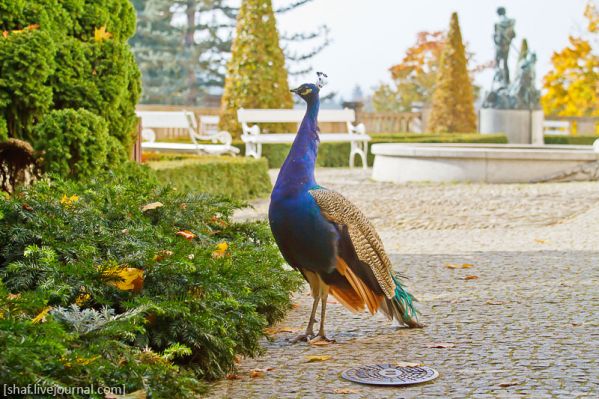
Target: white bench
253,139
556,127
183,120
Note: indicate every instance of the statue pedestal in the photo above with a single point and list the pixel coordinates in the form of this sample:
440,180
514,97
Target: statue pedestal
520,126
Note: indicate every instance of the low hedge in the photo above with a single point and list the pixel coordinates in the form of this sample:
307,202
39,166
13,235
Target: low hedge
337,154
570,140
117,281
234,177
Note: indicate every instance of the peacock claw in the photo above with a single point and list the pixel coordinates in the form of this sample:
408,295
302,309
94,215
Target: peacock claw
302,338
319,338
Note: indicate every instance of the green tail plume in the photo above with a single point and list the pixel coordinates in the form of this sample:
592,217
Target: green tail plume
405,299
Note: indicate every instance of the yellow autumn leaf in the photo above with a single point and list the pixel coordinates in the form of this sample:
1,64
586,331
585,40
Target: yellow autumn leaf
321,358
131,278
459,266
220,251
82,299
42,315
67,201
100,34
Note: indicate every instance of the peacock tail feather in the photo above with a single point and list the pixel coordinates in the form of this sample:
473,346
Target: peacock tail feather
405,299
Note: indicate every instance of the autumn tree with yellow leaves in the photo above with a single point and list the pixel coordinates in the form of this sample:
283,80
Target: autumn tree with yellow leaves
571,88
453,98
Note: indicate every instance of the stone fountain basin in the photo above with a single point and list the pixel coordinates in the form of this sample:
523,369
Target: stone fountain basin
490,163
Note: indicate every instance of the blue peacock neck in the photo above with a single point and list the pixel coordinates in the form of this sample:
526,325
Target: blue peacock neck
297,172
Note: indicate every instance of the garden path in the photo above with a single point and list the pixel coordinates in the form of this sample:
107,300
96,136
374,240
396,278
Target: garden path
527,326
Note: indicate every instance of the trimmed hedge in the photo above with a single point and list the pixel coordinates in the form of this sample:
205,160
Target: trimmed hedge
234,177
337,154
571,140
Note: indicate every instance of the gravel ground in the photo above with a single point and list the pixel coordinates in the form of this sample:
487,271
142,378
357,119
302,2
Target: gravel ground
527,326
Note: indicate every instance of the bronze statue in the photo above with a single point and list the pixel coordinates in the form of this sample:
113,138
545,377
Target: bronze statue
521,93
504,34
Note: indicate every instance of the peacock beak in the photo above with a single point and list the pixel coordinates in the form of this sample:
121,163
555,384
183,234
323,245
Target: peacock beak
296,90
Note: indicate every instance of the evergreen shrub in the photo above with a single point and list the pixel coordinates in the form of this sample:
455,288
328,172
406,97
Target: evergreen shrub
168,290
74,142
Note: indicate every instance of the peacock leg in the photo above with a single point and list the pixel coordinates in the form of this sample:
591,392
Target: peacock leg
310,329
324,293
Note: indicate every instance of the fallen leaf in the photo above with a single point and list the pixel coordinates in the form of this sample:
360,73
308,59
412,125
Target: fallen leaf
321,358
27,207
408,364
508,384
13,296
233,377
276,330
321,342
152,205
459,266
165,253
295,305
131,278
495,302
188,235
82,299
344,391
440,345
5,33
470,277
332,302
256,373
139,394
539,241
183,205
41,315
220,251
100,34
68,201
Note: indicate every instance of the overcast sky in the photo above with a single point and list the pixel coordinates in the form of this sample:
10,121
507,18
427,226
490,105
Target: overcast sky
369,36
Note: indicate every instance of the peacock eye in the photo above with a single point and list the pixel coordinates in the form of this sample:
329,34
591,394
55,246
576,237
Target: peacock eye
306,91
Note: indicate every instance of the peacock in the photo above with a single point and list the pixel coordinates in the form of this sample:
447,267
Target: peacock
327,238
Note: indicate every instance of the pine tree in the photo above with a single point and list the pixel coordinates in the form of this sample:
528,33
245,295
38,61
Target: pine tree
159,53
256,74
453,105
182,47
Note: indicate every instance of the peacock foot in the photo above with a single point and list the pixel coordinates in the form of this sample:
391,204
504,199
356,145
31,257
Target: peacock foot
321,339
302,338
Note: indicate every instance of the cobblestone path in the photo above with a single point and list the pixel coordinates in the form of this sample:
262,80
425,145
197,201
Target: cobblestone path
526,327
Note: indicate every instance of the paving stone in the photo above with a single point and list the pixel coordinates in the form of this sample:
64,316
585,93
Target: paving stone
531,317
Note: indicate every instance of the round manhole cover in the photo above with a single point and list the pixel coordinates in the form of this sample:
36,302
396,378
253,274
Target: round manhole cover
389,374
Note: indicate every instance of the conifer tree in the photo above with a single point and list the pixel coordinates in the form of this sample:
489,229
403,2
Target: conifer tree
453,104
256,74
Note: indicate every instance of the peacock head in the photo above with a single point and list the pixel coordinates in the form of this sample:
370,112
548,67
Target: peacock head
309,91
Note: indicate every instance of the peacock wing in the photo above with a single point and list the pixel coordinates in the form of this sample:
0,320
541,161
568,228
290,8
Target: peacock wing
366,241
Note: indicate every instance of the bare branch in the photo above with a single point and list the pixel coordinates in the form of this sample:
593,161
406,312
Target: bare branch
292,6
322,30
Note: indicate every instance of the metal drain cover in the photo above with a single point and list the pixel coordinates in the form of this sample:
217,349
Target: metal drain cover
389,374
